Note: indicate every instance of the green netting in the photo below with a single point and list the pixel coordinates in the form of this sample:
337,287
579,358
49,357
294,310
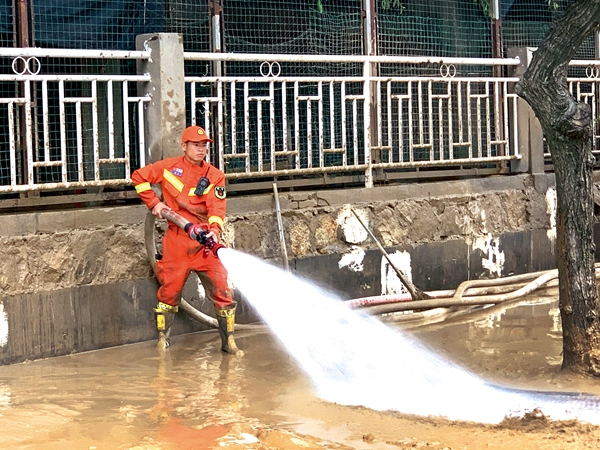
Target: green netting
6,40
6,24
95,24
434,28
190,19
114,24
526,22
460,28
293,26
325,27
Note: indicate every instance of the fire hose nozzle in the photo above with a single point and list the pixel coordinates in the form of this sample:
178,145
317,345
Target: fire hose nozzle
216,247
200,233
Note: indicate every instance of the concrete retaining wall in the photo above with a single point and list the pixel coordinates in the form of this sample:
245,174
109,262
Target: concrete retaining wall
80,280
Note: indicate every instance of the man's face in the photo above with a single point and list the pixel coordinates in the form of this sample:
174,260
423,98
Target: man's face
195,152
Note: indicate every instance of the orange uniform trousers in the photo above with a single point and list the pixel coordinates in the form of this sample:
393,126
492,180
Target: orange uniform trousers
181,256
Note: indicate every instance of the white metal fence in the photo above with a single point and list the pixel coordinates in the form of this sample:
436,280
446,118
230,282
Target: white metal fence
273,124
68,131
82,130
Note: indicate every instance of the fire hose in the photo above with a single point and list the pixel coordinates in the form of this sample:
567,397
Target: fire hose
195,232
480,292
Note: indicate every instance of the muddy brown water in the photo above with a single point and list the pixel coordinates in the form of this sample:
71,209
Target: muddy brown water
195,397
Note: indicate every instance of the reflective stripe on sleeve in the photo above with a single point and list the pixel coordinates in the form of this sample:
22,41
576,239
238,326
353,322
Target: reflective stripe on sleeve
215,219
143,187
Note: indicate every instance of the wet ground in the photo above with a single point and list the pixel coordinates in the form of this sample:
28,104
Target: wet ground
195,397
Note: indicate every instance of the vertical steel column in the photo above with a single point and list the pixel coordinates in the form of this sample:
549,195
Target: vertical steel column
215,12
371,124
22,35
22,24
496,26
367,122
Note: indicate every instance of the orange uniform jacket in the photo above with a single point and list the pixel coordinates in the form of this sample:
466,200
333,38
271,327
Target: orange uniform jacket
178,179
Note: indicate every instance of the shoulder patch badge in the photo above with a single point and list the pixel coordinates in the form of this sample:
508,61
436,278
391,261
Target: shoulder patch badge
220,192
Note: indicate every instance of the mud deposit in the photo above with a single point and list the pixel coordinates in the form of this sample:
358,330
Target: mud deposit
194,397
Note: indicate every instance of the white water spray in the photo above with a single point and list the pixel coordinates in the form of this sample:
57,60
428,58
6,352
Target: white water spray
354,359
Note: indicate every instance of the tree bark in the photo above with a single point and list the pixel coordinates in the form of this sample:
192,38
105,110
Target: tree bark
567,126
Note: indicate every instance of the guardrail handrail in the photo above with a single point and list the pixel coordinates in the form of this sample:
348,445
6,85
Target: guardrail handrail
73,53
258,57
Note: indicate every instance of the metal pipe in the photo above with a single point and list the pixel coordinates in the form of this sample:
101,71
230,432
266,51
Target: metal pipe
495,9
314,79
51,77
72,53
258,57
284,255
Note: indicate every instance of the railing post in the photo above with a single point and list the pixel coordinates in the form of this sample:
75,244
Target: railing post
25,130
165,112
496,26
529,130
371,125
215,11
367,122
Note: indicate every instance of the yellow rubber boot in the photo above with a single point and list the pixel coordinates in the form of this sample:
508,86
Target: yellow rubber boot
226,321
164,317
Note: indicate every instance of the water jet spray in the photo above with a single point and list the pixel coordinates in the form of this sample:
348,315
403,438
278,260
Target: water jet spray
354,359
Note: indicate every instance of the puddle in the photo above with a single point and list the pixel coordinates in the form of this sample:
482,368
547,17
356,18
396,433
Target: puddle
195,397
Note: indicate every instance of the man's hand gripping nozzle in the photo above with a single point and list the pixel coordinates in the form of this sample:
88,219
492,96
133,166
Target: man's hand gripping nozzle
200,233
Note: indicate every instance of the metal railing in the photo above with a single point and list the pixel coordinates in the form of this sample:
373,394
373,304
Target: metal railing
59,130
273,124
62,131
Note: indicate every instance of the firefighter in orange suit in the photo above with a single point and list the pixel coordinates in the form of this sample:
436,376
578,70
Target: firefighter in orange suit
196,190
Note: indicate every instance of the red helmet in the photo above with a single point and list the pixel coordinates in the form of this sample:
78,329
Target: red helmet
194,134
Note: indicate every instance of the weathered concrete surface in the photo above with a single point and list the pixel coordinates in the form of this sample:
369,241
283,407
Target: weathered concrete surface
59,264
47,251
318,223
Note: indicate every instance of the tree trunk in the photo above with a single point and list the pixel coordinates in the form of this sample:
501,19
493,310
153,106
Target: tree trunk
567,126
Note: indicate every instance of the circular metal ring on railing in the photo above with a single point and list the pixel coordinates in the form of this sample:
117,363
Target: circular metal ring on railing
31,65
447,70
273,67
591,71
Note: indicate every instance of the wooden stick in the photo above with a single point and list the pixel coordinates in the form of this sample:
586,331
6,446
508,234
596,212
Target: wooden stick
415,292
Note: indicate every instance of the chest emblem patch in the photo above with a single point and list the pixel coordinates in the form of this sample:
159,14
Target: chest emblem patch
177,171
220,192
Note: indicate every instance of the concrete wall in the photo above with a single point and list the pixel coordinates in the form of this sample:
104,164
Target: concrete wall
78,280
